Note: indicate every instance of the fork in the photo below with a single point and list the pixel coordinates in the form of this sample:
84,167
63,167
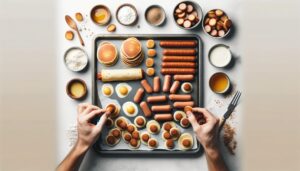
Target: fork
230,108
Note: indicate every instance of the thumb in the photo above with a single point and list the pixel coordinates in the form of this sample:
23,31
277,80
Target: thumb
192,119
101,122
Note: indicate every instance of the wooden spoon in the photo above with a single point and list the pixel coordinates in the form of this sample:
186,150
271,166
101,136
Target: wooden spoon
73,25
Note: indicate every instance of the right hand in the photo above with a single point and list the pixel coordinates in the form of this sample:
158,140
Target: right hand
207,133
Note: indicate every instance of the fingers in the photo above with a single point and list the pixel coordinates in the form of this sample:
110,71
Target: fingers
93,113
208,116
192,120
81,107
101,122
89,109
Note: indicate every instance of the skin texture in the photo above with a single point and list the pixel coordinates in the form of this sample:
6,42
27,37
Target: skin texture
207,135
88,133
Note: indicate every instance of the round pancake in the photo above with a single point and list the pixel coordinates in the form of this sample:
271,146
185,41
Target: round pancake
107,53
131,47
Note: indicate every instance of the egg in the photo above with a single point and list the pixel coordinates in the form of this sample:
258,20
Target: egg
187,87
123,89
107,90
130,109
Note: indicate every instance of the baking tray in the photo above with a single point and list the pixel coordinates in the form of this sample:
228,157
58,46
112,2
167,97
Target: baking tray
197,94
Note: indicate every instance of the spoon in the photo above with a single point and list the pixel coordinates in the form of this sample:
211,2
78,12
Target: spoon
73,25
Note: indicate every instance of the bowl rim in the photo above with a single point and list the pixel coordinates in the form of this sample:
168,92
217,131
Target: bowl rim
76,47
100,6
217,45
70,82
199,10
203,27
160,7
133,7
228,86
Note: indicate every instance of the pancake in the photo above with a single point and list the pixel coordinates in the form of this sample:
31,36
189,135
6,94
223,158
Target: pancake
131,47
185,136
107,53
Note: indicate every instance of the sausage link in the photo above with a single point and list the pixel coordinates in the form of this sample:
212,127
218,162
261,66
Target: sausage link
145,108
174,87
167,83
180,97
156,99
181,105
178,64
161,108
178,71
168,44
139,95
156,84
163,117
183,77
179,59
179,52
146,86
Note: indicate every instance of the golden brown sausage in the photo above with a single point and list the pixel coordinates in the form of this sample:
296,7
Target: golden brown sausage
178,65
156,99
183,77
145,108
183,43
180,97
167,83
174,87
146,86
163,117
178,52
181,105
178,71
139,95
161,108
156,84
179,59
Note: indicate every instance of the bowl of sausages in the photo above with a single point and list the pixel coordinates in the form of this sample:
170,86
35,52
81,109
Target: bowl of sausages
216,23
187,15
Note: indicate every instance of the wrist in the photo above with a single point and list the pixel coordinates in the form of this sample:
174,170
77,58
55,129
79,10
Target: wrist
212,151
81,147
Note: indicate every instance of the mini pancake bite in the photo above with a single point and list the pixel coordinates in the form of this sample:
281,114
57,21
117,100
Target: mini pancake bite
111,140
188,109
152,143
140,121
150,44
184,122
135,135
134,143
166,135
126,137
130,109
185,141
153,127
107,90
145,136
109,123
116,132
168,125
123,89
187,87
175,133
114,110
131,128
169,144
121,123
178,115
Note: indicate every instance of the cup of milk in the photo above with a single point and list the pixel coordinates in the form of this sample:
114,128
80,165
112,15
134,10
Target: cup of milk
220,56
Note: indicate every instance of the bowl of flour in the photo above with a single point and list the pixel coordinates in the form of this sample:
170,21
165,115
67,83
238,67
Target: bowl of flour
75,59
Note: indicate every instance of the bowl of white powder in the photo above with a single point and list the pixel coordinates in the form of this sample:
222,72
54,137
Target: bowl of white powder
220,56
76,59
127,14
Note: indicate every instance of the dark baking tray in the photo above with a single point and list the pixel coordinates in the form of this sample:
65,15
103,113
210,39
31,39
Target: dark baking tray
199,95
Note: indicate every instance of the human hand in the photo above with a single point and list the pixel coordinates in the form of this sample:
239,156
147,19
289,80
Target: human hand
206,132
88,132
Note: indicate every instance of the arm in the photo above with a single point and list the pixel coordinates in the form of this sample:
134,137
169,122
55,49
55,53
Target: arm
207,135
88,133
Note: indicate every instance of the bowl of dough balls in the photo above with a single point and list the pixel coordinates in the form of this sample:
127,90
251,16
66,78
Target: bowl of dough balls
187,15
216,23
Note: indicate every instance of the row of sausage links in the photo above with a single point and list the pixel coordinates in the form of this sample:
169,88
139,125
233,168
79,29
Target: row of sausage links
172,97
178,52
178,43
179,64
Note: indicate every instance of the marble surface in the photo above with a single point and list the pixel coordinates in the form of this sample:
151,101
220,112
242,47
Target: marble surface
66,110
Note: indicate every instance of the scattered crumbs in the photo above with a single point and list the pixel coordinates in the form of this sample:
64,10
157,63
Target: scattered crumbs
72,134
228,138
83,27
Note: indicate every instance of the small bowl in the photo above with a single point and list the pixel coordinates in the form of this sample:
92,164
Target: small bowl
203,24
84,66
133,7
213,48
214,77
196,7
93,13
68,89
163,11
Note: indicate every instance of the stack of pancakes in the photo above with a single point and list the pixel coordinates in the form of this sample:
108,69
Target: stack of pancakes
131,52
107,53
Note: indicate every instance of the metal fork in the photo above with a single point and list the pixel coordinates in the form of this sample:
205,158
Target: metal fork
230,108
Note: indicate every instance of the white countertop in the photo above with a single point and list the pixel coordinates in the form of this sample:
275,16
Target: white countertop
66,110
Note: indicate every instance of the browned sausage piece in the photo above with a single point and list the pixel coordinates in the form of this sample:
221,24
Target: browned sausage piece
163,117
178,64
167,83
183,77
139,95
161,108
174,87
178,71
178,52
145,108
156,99
146,86
180,97
179,59
170,43
181,105
156,84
